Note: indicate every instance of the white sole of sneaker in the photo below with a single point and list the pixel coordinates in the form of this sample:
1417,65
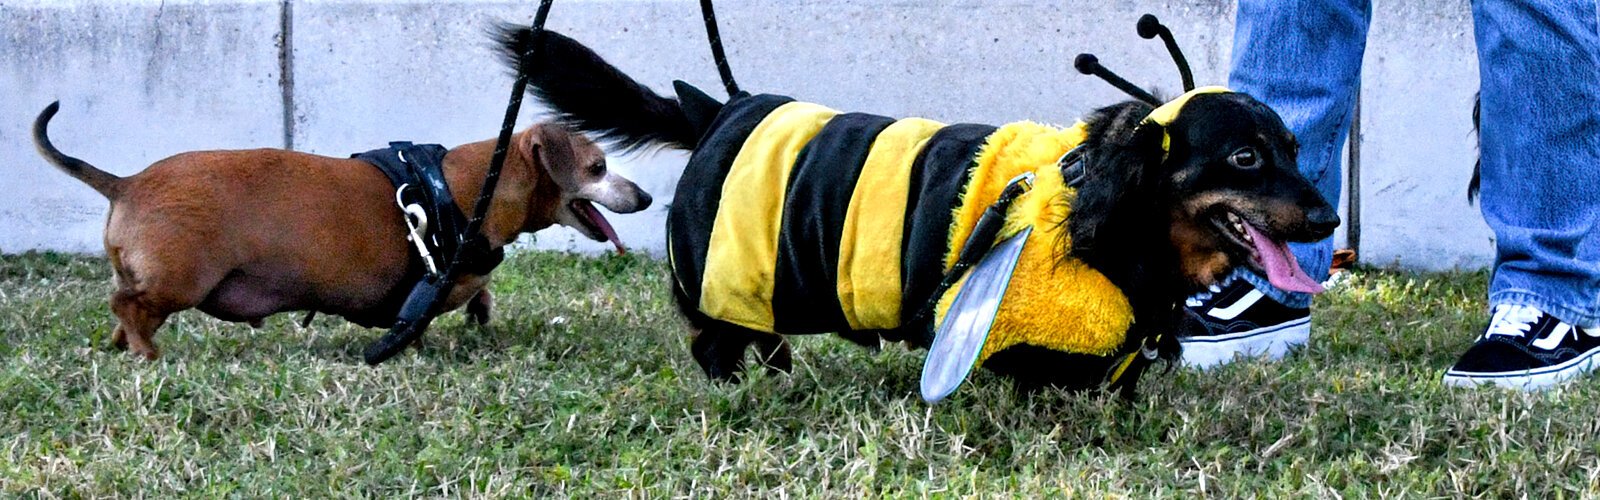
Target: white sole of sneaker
1530,380
1269,342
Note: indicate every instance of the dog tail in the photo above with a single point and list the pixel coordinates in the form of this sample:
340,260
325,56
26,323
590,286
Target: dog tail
589,94
100,180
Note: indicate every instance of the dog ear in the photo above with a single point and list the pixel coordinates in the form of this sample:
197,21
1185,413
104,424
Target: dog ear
547,149
1129,151
1121,157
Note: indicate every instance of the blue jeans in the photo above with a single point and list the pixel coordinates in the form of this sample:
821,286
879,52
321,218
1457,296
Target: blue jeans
1539,64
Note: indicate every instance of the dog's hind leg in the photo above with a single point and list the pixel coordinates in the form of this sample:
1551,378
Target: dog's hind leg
136,324
150,287
720,349
772,351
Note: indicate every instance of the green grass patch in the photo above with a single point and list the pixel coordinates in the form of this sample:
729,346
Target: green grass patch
583,386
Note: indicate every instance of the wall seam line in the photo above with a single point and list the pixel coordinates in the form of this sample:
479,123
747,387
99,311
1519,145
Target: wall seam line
286,69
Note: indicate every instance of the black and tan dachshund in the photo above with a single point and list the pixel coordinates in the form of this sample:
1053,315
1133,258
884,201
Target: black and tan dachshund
792,218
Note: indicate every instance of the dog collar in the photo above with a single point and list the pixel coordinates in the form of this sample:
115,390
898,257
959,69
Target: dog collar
1165,114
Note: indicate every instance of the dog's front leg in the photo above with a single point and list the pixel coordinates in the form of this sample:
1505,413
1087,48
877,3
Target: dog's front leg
478,308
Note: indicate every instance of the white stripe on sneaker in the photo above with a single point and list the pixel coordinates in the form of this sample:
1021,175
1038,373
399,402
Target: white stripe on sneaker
1238,306
1555,337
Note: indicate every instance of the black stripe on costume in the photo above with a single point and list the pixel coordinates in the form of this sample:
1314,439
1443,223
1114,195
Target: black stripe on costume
941,172
699,195
805,295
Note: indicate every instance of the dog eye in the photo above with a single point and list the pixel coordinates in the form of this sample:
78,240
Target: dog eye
597,169
1245,157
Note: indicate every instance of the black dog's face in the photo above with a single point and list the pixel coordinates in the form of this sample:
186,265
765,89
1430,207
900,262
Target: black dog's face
1237,192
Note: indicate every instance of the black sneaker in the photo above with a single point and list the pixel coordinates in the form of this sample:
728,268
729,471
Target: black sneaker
1524,348
1236,319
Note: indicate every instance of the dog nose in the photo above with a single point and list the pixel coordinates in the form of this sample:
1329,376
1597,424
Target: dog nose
644,199
1322,220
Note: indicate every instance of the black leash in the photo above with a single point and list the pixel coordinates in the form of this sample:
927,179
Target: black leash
425,297
717,54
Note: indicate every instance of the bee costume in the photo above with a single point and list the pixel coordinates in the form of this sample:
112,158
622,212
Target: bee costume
794,218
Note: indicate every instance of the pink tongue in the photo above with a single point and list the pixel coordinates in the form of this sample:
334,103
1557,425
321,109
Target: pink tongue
1282,269
604,226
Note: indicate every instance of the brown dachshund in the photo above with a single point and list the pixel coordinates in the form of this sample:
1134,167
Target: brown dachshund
242,235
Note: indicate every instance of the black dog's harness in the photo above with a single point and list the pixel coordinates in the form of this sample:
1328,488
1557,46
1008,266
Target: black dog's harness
982,238
987,229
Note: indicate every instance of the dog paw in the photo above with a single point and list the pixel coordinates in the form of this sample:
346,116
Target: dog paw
150,354
478,308
775,355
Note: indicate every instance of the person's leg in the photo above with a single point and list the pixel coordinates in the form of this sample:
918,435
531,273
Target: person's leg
1539,70
1303,59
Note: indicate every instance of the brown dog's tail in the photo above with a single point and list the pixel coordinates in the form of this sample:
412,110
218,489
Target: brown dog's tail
100,180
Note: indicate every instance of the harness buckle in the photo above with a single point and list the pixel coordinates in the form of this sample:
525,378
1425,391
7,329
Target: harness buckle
417,225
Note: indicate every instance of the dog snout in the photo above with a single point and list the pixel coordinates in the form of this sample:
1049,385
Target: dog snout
623,196
1321,221
644,199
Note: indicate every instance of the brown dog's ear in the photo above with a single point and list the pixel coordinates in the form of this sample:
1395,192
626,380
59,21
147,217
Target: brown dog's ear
522,145
532,146
553,149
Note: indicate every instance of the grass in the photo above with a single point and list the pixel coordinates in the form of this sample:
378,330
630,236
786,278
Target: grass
583,386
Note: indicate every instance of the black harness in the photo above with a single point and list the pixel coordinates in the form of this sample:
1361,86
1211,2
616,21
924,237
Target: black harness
987,229
417,173
463,250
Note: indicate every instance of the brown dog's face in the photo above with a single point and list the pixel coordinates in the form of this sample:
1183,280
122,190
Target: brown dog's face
578,167
1238,194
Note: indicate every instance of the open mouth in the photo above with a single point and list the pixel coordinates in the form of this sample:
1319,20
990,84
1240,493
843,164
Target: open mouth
1266,255
595,225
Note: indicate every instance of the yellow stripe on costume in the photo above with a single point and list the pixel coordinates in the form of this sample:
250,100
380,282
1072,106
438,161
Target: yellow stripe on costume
869,248
743,252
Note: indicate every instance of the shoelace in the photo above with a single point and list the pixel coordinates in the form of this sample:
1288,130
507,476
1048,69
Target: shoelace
1199,299
1512,320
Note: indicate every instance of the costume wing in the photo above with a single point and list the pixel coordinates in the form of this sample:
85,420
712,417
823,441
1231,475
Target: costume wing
960,337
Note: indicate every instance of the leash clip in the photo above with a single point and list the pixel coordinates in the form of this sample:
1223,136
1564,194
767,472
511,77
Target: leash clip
417,225
1023,181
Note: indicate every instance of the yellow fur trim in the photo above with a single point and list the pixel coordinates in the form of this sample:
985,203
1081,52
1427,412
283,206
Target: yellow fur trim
1054,301
1013,149
869,285
743,253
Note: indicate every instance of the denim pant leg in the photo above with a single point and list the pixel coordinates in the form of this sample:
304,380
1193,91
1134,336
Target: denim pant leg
1303,58
1539,70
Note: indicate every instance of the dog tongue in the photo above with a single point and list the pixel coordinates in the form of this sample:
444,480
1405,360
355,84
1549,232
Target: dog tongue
601,223
1282,268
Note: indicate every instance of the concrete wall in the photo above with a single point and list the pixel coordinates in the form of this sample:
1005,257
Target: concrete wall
143,79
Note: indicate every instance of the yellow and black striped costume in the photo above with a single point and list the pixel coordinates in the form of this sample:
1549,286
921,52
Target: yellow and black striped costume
794,218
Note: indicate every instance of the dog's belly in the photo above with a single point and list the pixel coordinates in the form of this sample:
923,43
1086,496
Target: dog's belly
246,297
